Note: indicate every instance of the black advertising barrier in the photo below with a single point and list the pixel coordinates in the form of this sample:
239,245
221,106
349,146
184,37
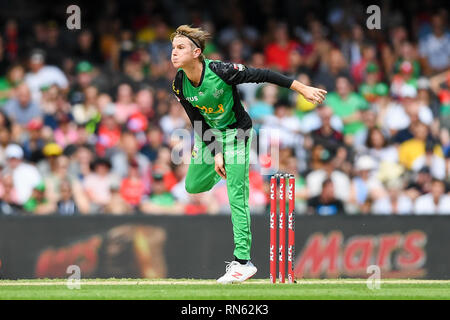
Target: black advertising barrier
197,246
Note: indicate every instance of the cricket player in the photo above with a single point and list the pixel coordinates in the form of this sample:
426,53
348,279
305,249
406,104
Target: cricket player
222,130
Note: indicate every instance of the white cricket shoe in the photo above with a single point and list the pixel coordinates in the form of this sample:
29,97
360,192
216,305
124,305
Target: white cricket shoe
236,272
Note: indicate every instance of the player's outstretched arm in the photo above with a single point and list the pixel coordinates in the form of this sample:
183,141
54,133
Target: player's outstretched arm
235,74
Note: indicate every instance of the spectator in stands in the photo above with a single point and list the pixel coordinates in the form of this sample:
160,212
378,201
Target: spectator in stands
435,162
315,178
86,49
25,176
155,139
435,47
440,85
175,119
38,203
117,205
266,97
22,109
420,184
80,161
109,132
277,52
326,134
326,204
412,149
160,48
97,184
86,111
9,202
132,187
348,105
145,103
161,201
435,202
287,124
42,75
124,106
10,81
378,147
395,202
365,187
335,67
67,205
67,132
5,138
128,151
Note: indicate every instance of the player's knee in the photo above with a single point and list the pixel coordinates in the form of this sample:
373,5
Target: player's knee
195,188
191,188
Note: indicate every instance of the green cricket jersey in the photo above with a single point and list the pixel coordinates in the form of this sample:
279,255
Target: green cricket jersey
215,102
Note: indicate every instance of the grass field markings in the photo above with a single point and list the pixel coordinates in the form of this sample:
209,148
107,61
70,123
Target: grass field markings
141,282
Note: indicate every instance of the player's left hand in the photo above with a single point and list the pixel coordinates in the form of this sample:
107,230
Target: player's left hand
313,95
219,165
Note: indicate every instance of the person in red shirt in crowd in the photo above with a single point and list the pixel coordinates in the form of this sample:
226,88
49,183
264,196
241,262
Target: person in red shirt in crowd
108,133
277,53
359,70
132,188
440,85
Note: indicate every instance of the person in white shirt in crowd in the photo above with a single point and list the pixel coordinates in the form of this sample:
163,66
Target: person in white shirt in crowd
42,75
315,178
25,176
315,119
435,202
432,161
175,119
21,109
395,202
378,147
287,124
391,116
365,187
435,47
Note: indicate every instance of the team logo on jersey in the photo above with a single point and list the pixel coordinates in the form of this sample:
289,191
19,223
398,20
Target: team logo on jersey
194,152
211,110
192,99
238,66
201,93
217,93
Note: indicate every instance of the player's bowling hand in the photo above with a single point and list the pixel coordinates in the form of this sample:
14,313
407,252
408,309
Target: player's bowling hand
311,94
219,165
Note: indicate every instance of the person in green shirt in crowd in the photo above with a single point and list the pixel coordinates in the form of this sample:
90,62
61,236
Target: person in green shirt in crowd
160,201
347,105
368,87
9,82
38,202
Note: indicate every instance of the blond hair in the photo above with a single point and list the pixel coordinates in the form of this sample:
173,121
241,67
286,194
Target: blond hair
197,36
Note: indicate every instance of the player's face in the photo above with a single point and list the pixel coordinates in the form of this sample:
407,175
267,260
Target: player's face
182,52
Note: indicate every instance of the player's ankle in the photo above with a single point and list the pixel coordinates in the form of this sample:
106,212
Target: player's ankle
241,261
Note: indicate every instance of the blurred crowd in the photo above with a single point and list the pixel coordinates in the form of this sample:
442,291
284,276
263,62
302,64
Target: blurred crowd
87,116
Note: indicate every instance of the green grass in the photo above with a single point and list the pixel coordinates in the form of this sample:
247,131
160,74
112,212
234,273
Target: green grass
181,289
